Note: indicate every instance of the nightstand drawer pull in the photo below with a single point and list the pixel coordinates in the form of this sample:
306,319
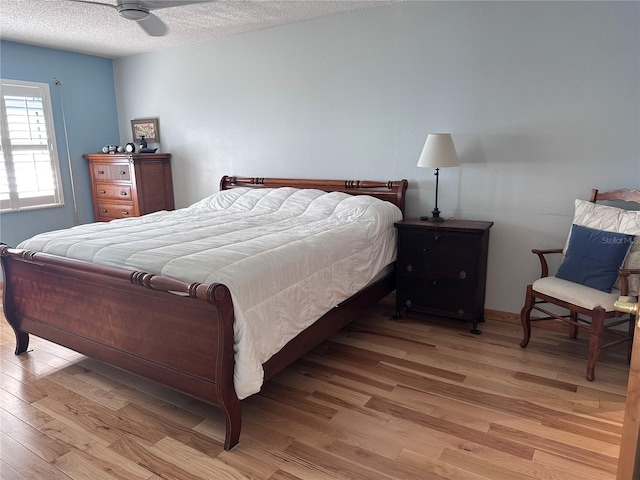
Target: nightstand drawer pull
463,274
409,268
460,312
100,172
408,303
123,193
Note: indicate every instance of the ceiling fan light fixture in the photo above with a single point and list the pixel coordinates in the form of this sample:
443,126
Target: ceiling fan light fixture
132,11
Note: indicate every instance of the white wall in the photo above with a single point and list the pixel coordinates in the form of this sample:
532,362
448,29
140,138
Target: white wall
542,100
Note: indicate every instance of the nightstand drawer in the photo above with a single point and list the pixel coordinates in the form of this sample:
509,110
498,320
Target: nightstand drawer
118,171
114,210
113,191
438,252
439,296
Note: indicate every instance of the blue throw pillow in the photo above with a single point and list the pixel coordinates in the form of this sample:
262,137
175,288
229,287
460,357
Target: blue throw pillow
593,257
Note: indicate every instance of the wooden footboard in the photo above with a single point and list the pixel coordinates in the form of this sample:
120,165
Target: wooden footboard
178,334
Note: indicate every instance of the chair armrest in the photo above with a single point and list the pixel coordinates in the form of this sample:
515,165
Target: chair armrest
624,279
543,261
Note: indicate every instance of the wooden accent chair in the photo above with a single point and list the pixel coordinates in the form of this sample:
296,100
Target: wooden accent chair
581,304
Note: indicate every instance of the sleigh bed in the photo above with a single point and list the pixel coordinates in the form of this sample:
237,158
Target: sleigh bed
179,333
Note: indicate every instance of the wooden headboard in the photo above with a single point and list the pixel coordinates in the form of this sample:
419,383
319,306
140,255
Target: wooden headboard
391,191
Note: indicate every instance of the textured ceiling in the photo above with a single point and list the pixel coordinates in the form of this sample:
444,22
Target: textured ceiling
99,30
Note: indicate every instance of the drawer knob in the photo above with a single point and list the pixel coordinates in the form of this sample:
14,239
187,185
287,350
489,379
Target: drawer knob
408,303
123,193
435,282
409,268
460,312
104,210
123,173
102,192
125,213
463,274
100,172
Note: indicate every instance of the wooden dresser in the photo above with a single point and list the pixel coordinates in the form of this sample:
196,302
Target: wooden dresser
129,185
442,268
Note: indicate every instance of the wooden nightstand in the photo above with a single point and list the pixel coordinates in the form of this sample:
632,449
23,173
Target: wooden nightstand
442,268
130,184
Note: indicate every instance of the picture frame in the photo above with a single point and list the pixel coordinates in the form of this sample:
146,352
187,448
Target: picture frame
147,127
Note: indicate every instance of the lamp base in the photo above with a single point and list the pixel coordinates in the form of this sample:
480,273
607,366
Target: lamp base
432,219
436,218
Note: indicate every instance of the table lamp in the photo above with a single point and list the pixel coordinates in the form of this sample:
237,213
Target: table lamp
438,152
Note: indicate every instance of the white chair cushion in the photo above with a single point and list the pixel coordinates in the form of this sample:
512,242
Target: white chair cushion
612,219
576,293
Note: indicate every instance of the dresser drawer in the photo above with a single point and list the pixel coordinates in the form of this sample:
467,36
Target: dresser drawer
446,252
114,210
112,191
106,172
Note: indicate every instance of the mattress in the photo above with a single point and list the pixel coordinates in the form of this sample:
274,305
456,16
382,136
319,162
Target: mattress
287,255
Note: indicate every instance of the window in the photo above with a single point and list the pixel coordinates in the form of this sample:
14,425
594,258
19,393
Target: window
29,167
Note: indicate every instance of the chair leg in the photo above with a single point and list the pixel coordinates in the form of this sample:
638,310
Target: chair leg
573,326
632,329
595,342
525,316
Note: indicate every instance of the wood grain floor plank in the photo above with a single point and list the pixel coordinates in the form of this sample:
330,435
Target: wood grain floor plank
76,384
579,454
156,462
323,460
92,417
451,428
96,452
567,467
362,432
196,464
78,464
21,410
280,475
482,467
45,447
368,459
26,462
553,434
432,470
185,435
7,472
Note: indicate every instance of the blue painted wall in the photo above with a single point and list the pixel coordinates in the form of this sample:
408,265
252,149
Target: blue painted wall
87,88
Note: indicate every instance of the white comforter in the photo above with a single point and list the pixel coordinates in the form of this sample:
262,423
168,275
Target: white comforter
287,256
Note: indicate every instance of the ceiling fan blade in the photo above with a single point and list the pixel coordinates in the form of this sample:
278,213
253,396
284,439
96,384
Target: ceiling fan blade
94,3
157,4
153,26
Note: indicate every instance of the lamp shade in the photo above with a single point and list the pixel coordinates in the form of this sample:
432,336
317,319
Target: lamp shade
438,152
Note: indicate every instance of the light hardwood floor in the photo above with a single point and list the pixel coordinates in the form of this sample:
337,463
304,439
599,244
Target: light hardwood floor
383,399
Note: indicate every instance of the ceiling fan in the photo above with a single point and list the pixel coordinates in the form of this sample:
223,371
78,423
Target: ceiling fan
140,11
